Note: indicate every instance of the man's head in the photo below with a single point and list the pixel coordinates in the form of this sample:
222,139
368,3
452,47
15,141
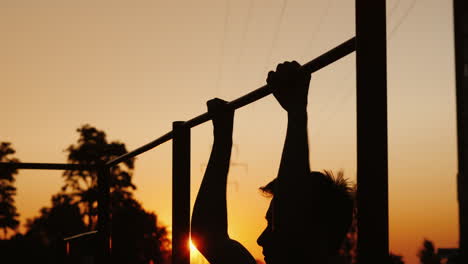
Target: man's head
328,215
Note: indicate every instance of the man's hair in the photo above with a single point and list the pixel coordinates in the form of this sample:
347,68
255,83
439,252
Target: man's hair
335,206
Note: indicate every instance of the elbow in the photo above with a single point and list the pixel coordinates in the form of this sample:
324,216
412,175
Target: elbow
198,227
199,234
201,240
207,227
204,237
203,234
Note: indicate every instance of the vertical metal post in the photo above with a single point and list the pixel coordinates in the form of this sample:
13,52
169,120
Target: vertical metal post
103,226
372,156
460,14
180,193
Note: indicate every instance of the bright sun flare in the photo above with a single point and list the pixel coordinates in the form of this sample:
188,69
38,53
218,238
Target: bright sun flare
192,246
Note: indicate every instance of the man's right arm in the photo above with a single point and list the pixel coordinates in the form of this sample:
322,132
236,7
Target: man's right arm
290,87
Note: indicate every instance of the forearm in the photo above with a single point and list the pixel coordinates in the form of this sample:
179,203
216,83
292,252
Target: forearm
209,220
210,213
294,168
295,157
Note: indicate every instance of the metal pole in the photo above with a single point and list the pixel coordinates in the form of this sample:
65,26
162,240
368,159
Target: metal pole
461,79
103,226
372,156
180,193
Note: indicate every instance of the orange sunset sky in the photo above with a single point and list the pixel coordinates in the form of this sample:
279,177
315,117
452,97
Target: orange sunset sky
130,68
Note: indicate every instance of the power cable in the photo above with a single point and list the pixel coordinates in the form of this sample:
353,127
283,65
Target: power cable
405,15
346,97
222,50
317,28
275,34
244,32
394,7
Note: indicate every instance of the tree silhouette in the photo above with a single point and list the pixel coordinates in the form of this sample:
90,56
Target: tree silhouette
92,148
61,220
8,213
136,236
396,259
43,241
427,254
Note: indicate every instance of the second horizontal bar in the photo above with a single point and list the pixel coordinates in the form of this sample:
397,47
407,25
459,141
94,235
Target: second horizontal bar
46,166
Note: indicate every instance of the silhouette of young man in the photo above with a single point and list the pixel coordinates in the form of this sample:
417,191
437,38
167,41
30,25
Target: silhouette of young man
310,212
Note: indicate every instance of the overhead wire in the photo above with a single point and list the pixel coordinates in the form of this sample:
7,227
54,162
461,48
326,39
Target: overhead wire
394,7
222,49
244,32
347,75
343,99
405,15
275,34
274,40
243,37
318,27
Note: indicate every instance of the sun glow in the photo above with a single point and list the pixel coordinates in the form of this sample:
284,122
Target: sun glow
192,246
195,256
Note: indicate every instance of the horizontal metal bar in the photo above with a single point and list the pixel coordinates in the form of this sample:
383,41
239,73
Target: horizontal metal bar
314,65
46,166
153,144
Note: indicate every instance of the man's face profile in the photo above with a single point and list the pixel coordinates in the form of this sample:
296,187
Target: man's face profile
267,239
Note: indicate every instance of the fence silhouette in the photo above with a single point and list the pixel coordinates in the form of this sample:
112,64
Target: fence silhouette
370,47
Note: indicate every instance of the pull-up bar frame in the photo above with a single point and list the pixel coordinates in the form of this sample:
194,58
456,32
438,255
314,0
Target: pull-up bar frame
181,163
372,185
